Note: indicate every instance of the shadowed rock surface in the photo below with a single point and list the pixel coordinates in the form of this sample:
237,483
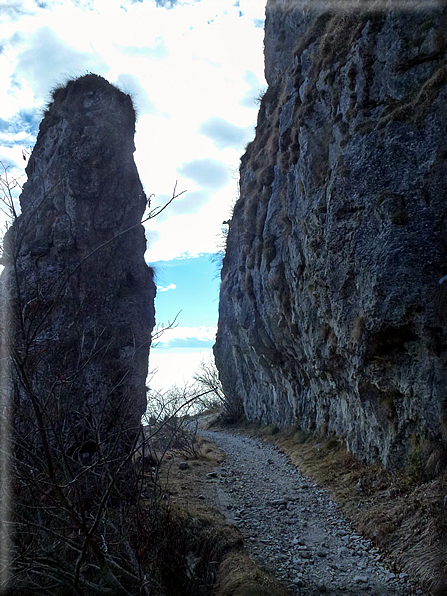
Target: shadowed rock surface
80,292
331,311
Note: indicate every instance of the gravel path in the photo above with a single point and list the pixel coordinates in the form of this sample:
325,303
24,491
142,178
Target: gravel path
292,527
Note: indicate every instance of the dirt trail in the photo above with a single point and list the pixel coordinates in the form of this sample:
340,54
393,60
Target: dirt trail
292,527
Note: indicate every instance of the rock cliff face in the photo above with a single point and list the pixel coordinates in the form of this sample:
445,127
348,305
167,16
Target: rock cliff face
333,311
80,292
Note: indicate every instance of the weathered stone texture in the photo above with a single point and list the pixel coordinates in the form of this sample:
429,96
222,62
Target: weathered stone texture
331,311
80,291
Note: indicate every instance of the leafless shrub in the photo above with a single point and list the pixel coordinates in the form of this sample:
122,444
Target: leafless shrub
207,378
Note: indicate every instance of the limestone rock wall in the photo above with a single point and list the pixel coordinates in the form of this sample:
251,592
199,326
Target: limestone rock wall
80,292
332,314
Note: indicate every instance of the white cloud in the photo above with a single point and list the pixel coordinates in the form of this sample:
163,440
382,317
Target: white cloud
190,202
157,51
16,9
256,89
130,84
191,234
208,172
166,288
169,367
225,134
176,357
183,335
48,59
186,69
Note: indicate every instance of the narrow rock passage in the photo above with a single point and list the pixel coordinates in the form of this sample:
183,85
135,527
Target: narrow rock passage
292,527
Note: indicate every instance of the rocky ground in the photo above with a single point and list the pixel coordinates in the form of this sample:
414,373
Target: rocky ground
291,526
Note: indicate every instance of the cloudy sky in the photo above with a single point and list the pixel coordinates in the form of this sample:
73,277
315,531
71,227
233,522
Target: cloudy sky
194,69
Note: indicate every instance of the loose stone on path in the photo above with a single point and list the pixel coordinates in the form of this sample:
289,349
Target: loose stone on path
293,528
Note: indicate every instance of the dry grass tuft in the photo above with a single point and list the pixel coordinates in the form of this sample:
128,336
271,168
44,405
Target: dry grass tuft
209,451
238,575
186,549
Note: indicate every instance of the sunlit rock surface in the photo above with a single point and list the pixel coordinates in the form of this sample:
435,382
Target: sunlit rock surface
80,292
331,311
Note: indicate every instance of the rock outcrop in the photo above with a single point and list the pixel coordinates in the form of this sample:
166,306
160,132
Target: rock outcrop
80,293
333,302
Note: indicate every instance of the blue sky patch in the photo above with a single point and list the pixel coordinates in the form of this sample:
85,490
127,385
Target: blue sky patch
196,291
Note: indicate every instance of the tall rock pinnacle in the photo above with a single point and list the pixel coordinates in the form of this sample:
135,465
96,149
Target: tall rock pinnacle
80,292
